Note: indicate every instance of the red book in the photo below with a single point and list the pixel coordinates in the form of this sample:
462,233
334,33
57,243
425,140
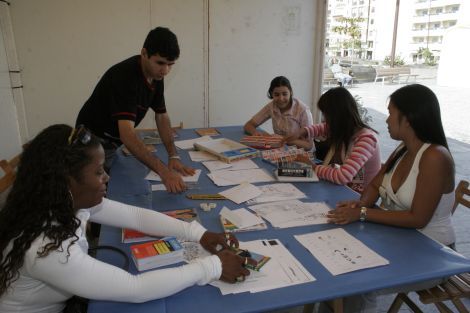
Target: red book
130,236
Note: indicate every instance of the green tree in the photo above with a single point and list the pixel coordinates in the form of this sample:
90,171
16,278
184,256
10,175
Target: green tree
427,55
398,60
351,28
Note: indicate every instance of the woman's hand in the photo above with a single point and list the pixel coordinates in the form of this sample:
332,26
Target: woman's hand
233,266
289,139
215,242
346,212
350,204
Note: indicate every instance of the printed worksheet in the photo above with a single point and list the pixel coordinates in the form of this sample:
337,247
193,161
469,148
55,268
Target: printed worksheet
292,213
277,192
340,252
227,178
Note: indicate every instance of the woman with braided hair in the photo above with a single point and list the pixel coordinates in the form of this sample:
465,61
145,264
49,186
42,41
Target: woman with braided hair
60,186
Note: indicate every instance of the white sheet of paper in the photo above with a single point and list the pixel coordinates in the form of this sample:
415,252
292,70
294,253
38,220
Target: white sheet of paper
292,213
187,179
189,143
227,178
242,218
241,193
281,271
213,166
158,187
199,156
243,164
277,192
340,252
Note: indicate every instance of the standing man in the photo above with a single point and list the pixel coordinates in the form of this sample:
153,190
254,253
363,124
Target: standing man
121,99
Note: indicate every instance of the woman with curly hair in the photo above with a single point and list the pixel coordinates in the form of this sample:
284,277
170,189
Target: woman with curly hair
60,186
353,157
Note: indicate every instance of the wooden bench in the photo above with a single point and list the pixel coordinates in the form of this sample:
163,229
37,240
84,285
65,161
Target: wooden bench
329,77
394,74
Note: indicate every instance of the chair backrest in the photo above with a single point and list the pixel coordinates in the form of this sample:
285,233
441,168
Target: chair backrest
8,177
180,126
461,192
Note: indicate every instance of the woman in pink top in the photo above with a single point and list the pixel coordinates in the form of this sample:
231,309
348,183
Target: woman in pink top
287,113
354,155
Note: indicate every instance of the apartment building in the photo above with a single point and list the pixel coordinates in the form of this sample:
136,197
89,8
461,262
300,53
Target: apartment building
422,25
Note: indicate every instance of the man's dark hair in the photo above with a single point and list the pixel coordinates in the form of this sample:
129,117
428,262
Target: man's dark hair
163,42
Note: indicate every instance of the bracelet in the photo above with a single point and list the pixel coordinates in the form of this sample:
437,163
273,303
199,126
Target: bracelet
363,214
177,157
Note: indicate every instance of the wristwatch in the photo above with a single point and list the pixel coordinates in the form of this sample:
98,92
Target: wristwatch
363,214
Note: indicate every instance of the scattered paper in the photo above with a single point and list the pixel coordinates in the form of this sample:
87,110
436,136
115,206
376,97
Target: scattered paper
241,193
199,156
277,192
340,252
292,213
158,187
242,218
189,143
243,164
187,179
227,178
282,270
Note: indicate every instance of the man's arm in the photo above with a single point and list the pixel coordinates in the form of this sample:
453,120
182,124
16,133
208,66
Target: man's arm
129,138
164,129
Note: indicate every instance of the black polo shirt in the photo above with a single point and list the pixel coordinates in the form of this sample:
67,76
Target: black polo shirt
123,93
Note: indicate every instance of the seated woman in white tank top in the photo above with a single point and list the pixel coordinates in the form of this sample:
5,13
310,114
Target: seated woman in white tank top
416,184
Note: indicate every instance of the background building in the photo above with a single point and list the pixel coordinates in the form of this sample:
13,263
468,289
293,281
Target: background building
421,28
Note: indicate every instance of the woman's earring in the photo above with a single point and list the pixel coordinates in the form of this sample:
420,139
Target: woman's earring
71,197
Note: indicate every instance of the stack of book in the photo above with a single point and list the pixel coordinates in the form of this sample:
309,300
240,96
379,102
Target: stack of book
294,171
187,215
262,141
226,150
287,153
157,253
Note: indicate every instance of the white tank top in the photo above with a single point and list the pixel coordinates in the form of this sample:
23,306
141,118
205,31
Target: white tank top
440,226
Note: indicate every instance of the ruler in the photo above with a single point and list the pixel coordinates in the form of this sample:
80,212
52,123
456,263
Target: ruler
215,196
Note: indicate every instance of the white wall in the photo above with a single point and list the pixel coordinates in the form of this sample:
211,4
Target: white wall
251,42
10,139
65,46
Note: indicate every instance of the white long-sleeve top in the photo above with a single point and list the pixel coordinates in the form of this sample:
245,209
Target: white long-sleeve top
46,283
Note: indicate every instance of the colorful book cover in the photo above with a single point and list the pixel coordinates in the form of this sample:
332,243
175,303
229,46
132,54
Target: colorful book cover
226,150
158,253
187,215
288,153
263,141
131,236
261,260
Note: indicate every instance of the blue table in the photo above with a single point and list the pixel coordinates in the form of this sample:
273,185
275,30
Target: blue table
413,257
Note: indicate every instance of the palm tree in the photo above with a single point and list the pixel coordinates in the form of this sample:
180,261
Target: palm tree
351,28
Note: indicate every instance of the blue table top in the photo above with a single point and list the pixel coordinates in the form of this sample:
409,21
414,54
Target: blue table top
413,257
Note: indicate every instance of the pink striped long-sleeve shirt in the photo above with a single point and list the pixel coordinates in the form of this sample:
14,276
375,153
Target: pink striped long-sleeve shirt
362,160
